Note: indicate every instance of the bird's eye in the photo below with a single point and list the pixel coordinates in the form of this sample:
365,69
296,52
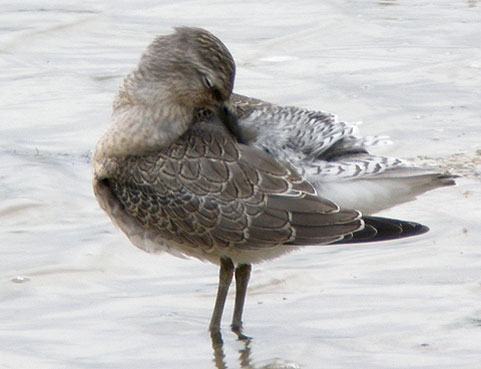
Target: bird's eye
207,82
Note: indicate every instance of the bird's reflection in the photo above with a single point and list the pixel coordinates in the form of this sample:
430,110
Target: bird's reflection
245,361
219,355
218,347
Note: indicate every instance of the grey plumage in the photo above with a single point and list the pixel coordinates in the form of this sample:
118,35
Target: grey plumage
177,171
332,156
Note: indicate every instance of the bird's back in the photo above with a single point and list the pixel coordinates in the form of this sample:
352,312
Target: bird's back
208,196
332,156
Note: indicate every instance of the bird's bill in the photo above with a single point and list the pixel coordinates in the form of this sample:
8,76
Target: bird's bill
225,113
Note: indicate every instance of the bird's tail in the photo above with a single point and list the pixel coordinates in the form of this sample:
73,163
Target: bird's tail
382,229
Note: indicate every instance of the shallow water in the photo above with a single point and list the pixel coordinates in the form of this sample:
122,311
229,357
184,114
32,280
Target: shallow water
75,294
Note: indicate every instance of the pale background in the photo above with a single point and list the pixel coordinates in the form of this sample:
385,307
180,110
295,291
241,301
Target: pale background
75,294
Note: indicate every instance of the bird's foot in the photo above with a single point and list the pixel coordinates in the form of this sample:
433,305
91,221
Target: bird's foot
237,329
216,336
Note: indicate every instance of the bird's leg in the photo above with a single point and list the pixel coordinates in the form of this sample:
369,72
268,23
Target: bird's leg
242,274
225,278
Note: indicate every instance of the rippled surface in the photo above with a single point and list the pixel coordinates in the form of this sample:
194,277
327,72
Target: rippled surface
75,294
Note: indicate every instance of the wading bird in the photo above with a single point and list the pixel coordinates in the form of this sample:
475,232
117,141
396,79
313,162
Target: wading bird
190,168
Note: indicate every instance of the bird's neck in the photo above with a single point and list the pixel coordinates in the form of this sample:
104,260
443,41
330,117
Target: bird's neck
144,120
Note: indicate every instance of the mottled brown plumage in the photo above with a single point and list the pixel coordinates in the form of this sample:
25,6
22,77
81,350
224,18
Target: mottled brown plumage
172,175
220,199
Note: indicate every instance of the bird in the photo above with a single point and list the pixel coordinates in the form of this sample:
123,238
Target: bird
187,166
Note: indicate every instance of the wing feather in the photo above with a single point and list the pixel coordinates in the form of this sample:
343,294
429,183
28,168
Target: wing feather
206,191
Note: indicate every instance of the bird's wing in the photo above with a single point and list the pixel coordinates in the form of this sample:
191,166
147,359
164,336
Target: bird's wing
302,133
332,156
208,191
319,145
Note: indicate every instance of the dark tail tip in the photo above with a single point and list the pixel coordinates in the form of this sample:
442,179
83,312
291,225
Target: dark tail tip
383,229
